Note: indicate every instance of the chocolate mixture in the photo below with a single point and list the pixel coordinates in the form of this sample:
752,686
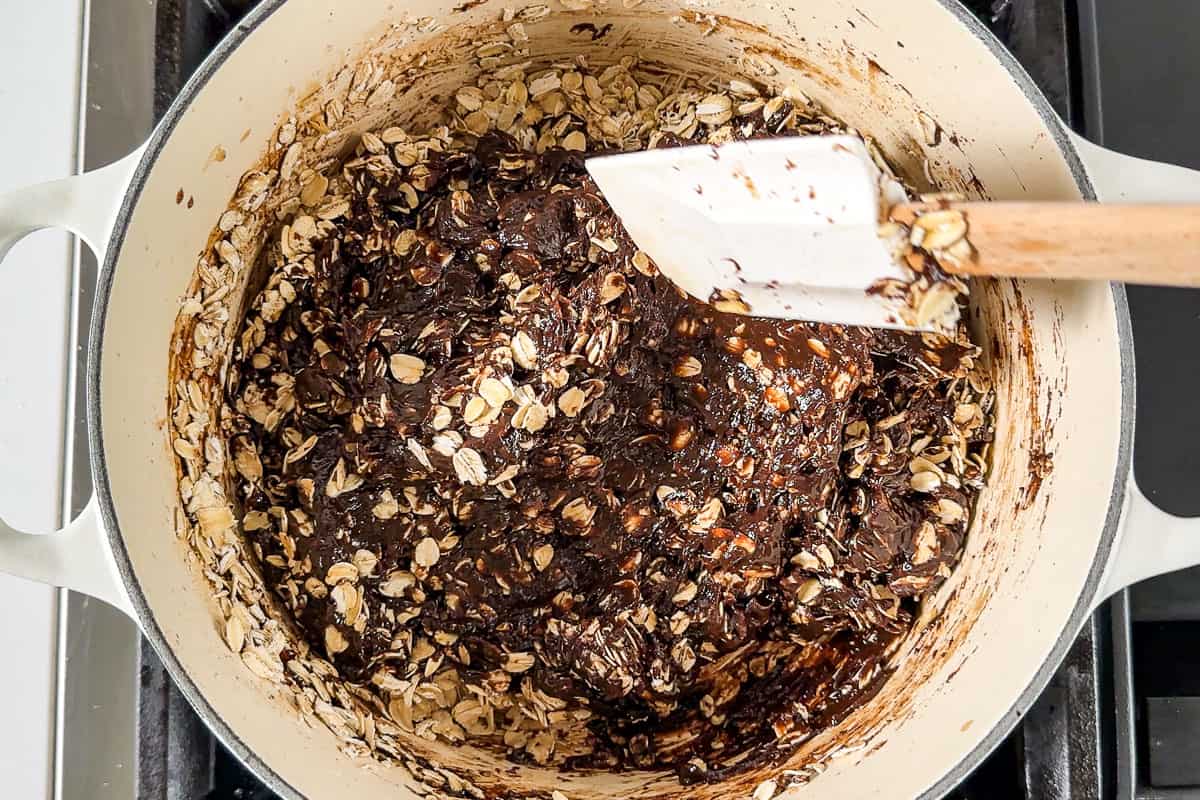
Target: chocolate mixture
516,465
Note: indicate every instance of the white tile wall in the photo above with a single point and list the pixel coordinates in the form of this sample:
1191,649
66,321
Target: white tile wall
39,89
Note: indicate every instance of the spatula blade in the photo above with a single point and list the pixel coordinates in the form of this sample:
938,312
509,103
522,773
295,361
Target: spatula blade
790,224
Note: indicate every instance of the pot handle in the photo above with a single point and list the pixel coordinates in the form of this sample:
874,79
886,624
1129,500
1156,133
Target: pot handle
77,556
1151,541
86,205
1119,178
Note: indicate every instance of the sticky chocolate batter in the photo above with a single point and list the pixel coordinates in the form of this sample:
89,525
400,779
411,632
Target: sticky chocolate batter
514,451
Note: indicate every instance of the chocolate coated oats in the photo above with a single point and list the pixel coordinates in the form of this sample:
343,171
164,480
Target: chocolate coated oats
527,492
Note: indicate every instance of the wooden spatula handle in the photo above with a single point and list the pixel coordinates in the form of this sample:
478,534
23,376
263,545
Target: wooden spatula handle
1148,244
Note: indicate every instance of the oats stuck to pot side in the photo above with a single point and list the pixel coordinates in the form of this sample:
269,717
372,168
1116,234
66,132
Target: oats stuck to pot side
515,488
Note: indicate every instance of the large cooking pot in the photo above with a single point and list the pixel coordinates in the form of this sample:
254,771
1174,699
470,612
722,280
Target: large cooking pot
1058,529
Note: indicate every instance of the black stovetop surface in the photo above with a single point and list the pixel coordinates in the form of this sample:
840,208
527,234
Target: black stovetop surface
1123,72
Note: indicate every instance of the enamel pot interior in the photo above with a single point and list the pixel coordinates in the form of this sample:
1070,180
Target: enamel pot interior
1042,528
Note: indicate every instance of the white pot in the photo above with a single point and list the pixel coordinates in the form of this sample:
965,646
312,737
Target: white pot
1040,555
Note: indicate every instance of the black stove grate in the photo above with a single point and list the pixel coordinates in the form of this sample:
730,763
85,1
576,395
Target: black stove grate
1075,742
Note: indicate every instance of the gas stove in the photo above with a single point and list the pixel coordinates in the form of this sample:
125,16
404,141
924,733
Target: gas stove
1121,717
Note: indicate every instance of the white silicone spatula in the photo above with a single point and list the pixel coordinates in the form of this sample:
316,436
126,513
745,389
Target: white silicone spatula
793,225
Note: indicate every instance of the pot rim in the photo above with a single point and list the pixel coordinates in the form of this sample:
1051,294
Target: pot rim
225,732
